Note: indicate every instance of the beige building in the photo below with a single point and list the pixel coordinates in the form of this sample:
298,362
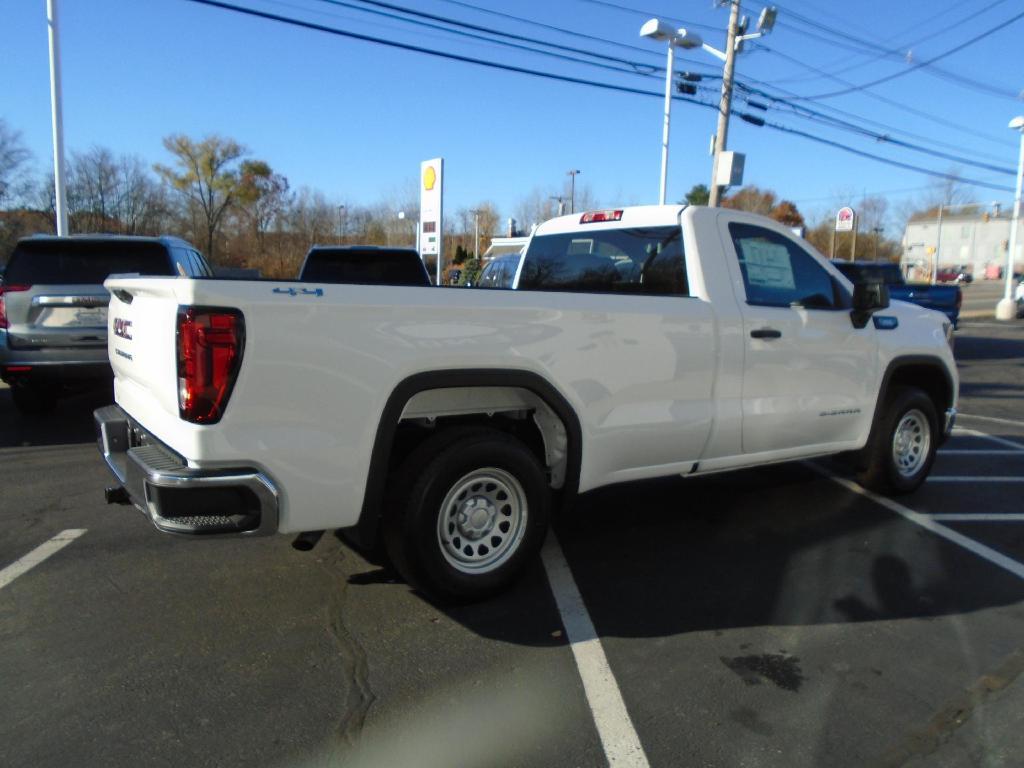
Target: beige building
974,240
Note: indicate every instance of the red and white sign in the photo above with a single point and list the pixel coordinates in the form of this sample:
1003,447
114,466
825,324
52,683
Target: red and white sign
845,219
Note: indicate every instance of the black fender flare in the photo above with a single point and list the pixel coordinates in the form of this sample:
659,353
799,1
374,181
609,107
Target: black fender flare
365,530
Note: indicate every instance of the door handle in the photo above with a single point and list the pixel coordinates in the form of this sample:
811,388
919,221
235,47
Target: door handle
765,333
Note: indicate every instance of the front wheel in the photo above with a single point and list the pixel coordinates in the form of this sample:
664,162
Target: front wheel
901,449
469,515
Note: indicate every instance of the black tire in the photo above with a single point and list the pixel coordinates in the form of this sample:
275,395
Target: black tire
495,494
33,399
899,465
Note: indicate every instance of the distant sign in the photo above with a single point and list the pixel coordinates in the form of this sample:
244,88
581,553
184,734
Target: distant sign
844,219
431,190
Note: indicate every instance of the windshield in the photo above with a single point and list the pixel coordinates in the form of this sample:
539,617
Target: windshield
71,262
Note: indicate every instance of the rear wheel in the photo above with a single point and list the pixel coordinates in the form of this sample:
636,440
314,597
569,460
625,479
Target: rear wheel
902,445
33,399
467,514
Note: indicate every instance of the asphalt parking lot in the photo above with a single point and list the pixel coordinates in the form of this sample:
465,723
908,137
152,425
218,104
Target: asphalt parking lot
774,617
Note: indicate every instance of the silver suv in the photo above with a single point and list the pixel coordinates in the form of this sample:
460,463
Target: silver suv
53,308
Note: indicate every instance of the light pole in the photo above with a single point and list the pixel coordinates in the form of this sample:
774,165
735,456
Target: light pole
341,224
57,113
572,190
655,29
1005,309
476,233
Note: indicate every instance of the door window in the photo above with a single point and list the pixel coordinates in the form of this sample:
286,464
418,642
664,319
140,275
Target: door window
779,273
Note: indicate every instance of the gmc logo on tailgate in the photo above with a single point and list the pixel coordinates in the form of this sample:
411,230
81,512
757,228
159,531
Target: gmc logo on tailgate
123,328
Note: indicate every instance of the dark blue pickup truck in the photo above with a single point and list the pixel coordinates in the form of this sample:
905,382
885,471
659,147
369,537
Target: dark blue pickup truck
942,298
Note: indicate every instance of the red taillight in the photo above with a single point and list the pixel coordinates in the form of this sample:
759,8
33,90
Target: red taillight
210,343
4,323
593,217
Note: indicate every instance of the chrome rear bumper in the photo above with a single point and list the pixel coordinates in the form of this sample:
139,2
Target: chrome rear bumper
182,499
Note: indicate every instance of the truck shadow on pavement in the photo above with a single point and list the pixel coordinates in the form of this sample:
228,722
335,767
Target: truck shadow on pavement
777,546
70,422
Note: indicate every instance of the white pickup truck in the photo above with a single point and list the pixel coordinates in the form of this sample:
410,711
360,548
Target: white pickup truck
636,343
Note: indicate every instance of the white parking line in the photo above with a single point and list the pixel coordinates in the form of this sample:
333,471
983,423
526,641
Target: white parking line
970,479
1012,422
37,555
984,517
926,522
614,727
999,440
981,452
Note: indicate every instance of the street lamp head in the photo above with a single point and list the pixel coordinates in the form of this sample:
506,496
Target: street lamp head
1017,123
656,29
766,21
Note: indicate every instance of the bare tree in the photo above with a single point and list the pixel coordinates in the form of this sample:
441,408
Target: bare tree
14,160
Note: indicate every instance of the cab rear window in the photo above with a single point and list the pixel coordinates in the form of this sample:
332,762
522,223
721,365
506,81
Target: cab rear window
376,267
82,263
646,260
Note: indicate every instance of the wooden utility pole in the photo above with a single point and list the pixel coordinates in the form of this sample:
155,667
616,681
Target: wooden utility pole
725,104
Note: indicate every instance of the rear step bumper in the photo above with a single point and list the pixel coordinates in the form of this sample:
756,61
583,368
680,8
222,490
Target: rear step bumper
182,499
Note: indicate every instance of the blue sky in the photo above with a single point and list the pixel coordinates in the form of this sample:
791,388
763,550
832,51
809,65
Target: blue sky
354,118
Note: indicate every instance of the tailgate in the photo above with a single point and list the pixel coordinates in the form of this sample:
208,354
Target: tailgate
65,316
141,329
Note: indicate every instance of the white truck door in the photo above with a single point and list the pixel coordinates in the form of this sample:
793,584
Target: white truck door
808,374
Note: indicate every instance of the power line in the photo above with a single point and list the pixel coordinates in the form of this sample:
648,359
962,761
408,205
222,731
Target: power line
918,65
937,119
574,80
490,31
641,12
633,69
905,50
551,27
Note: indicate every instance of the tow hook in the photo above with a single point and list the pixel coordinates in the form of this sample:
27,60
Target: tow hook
306,540
116,494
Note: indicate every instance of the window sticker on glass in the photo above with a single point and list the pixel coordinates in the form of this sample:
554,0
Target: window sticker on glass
767,264
581,246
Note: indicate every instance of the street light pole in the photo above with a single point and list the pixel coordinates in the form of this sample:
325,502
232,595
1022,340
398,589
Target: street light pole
57,114
660,30
1005,309
669,65
572,190
725,103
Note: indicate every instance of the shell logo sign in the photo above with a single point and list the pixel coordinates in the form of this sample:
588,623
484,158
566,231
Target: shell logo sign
431,208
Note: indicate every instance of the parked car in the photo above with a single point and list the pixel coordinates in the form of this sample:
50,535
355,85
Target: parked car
447,423
53,308
942,298
363,265
499,272
956,274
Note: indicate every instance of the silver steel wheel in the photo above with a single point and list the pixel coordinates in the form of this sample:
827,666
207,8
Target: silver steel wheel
911,443
482,520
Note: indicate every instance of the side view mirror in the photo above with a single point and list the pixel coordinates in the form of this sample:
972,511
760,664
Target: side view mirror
868,298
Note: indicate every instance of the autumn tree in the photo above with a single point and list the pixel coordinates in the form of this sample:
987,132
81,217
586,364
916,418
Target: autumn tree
766,203
206,175
263,198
